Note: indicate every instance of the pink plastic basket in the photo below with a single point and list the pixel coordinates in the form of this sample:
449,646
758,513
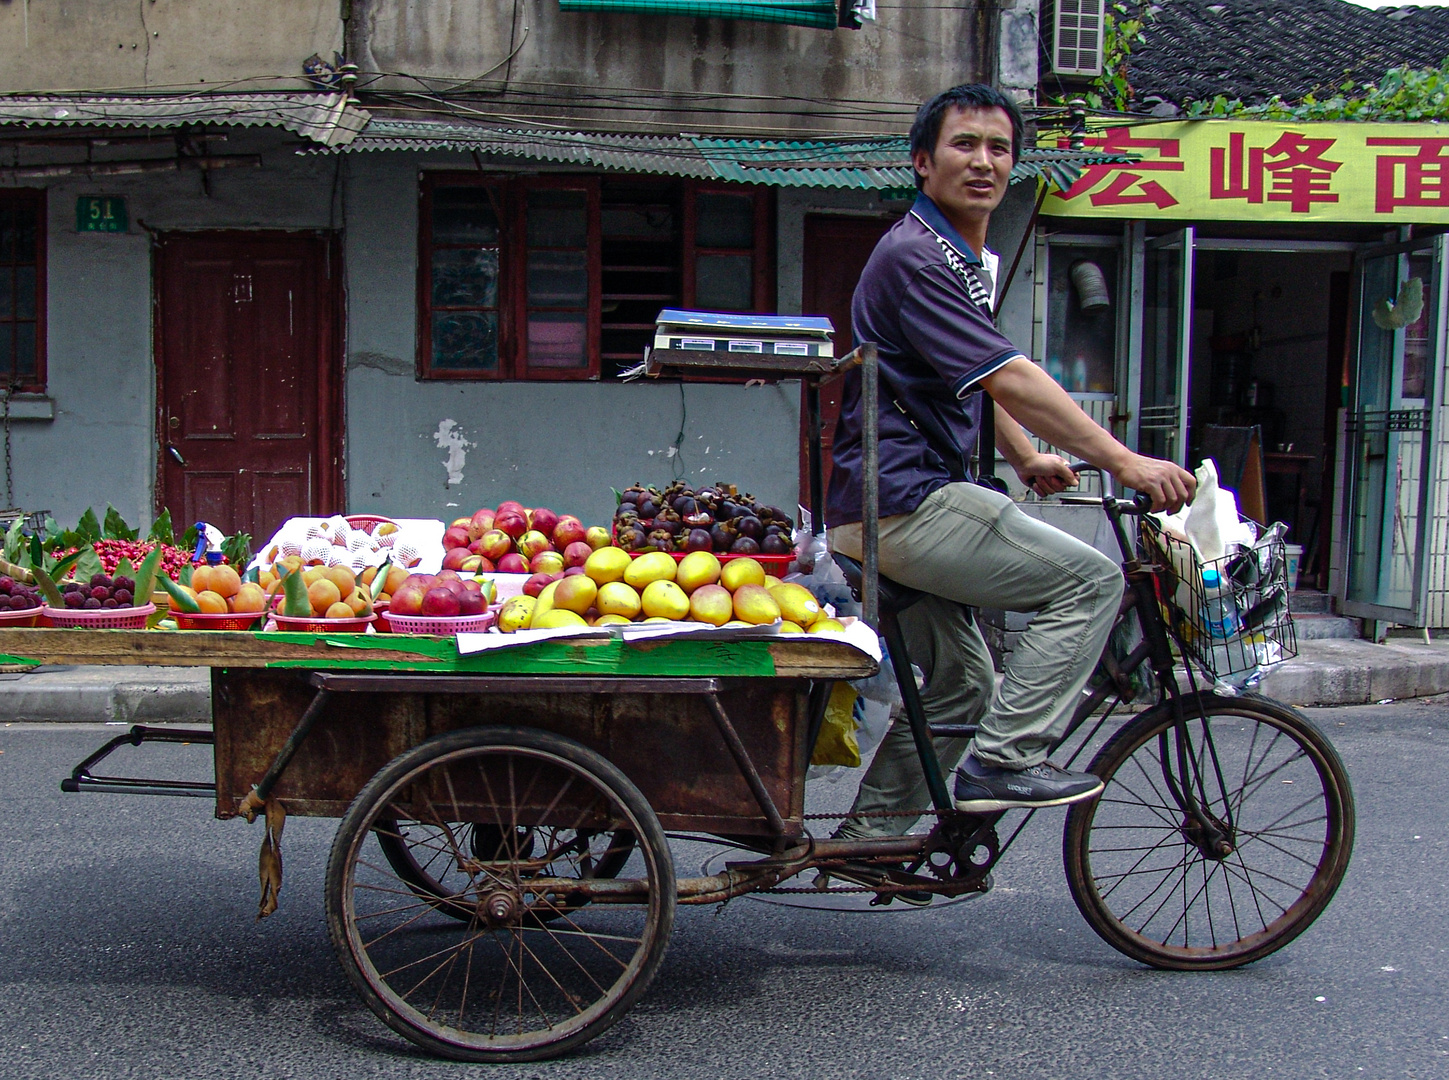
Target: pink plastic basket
441,625
240,620
312,624
25,617
368,522
125,618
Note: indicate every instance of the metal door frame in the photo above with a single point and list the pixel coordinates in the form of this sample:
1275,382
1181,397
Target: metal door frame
1411,616
1186,239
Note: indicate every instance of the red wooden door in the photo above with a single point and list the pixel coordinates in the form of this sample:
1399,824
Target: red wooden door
249,416
836,251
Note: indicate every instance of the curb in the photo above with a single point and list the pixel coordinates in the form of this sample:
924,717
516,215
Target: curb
1343,672
89,695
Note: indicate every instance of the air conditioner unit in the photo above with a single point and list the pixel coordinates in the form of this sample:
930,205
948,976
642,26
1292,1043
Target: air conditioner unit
1077,37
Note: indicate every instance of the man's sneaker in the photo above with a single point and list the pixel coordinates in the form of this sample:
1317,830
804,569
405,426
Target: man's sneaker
982,789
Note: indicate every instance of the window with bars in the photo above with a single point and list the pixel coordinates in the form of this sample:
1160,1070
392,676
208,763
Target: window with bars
561,277
22,290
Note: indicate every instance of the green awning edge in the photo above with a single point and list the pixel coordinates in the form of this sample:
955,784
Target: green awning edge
818,14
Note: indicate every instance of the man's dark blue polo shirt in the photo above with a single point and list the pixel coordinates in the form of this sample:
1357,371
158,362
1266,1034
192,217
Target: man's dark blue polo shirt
932,323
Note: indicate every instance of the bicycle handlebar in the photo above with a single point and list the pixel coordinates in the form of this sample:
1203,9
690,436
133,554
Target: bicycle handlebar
1140,503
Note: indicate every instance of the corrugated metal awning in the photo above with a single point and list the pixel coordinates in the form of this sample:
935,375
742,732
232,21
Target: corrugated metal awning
819,14
872,164
331,120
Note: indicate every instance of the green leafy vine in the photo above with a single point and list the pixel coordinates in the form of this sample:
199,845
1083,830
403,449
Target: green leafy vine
1404,93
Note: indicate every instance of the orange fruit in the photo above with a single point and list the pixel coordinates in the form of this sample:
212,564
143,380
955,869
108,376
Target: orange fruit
338,610
266,579
225,581
323,594
357,602
211,603
201,578
342,577
249,597
312,574
396,575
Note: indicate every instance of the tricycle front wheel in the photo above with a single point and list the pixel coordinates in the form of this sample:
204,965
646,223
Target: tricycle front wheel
505,954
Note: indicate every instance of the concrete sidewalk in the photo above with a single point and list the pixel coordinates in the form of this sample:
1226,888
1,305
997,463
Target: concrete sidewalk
1326,672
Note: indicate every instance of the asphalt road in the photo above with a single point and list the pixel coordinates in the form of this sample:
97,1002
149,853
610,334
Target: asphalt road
129,948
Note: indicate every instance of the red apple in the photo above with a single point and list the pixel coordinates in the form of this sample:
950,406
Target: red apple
534,585
408,600
485,565
494,544
460,523
577,553
511,507
454,558
532,543
472,564
547,562
480,523
569,530
596,536
456,537
572,570
439,601
512,523
512,563
446,575
472,603
544,520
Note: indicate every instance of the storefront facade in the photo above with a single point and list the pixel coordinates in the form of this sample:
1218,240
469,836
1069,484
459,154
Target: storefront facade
1289,278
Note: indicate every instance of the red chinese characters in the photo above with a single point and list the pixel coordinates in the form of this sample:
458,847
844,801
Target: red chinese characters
1292,170
1411,179
1124,183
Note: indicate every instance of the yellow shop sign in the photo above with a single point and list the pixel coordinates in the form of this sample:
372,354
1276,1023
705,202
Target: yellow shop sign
1228,170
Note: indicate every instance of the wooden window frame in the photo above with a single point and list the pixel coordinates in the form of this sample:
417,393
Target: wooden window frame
763,285
510,199
36,199
593,324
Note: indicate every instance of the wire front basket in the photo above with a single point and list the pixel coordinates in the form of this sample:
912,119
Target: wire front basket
1241,627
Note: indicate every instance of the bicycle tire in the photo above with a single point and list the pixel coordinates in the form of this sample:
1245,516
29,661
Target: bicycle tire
1284,759
524,981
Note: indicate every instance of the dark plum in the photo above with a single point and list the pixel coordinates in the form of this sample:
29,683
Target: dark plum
744,546
100,592
647,509
124,582
74,600
103,580
751,526
698,540
91,605
20,603
111,603
775,544
123,597
6,583
684,505
673,528
721,538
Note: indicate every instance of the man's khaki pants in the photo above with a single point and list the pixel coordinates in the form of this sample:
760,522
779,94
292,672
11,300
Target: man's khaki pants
969,546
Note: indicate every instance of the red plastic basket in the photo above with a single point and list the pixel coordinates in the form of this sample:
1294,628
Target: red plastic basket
241,620
368,522
315,624
781,561
441,625
25,617
127,618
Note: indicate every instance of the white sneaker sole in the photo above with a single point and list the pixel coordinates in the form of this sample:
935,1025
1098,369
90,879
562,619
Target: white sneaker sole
988,806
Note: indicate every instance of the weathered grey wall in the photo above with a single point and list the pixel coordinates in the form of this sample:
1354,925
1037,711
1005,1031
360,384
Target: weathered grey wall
101,445
668,71
793,205
557,444
50,45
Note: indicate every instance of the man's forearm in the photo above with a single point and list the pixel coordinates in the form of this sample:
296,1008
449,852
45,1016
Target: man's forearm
1034,400
1010,439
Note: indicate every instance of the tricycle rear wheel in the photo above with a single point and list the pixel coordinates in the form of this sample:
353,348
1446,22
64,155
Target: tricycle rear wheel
508,964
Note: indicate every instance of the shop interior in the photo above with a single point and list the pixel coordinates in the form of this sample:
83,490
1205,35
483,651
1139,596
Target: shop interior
1269,331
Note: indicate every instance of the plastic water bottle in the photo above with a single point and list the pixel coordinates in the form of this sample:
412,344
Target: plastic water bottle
1224,629
1220,614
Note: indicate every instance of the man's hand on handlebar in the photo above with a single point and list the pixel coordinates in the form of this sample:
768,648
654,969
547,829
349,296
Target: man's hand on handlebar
1045,474
1168,484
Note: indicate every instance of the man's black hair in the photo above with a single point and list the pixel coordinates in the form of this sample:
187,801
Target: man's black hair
926,130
